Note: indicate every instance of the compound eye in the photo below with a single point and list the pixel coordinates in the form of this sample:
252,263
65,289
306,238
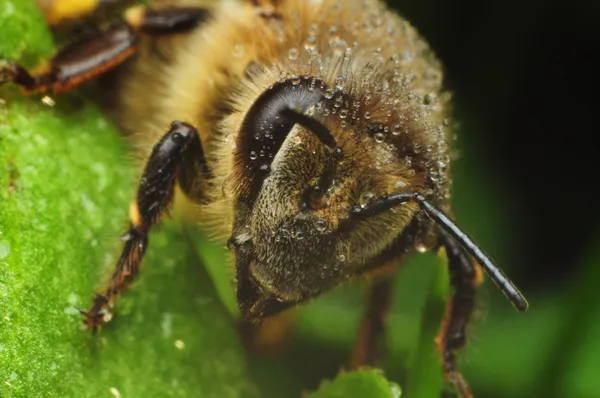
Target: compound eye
315,199
265,128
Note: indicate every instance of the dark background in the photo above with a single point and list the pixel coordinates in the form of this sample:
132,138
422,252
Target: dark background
525,78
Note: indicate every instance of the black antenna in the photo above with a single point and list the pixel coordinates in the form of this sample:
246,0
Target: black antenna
324,135
312,125
443,221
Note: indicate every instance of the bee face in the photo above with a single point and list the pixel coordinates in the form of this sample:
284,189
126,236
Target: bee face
295,242
293,234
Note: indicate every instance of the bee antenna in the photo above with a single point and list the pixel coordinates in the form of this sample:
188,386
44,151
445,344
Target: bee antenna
500,279
324,135
312,125
386,202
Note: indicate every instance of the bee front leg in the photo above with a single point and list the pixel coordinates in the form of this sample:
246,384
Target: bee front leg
98,53
464,278
154,197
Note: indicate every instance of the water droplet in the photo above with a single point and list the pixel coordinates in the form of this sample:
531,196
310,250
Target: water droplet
328,93
341,258
339,45
396,129
367,115
348,53
366,198
253,155
379,137
311,43
299,235
442,165
48,101
434,177
421,247
339,82
400,184
442,146
293,54
344,113
338,101
295,80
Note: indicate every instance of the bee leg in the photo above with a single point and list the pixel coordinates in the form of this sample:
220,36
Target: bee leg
194,176
76,63
96,54
464,278
371,335
154,196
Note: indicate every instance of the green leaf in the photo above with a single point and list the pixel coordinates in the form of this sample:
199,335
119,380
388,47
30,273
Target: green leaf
65,185
360,384
24,33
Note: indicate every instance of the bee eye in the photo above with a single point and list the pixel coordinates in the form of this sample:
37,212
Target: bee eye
314,198
267,124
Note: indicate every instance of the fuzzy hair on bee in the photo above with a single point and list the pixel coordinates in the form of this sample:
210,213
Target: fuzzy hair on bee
377,88
310,137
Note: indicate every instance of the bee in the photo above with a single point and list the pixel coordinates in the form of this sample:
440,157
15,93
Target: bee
311,137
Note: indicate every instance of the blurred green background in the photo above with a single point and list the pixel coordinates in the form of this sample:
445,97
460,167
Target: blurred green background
525,88
525,78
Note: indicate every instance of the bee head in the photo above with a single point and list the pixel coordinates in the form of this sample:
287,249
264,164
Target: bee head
300,171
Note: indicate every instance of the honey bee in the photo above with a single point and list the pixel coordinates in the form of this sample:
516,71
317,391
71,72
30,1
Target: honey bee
310,137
